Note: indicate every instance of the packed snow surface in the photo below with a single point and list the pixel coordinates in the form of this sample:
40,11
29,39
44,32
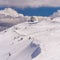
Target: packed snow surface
31,41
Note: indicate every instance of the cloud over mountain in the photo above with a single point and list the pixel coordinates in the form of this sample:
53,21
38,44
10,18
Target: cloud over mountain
10,17
30,3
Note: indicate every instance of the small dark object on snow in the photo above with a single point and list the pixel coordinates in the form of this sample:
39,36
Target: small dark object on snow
21,38
29,38
5,31
9,54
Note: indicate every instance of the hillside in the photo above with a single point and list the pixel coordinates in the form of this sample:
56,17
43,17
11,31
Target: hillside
31,41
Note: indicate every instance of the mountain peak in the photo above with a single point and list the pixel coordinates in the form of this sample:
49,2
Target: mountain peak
56,14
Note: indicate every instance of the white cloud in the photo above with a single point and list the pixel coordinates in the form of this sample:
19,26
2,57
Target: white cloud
9,17
31,3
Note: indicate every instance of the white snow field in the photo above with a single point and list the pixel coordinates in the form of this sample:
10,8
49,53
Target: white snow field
16,46
31,41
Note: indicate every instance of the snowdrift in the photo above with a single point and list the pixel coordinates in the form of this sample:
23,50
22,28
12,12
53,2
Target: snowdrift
15,46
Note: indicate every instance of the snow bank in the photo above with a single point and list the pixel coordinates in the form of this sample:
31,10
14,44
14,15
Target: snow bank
15,46
56,17
56,14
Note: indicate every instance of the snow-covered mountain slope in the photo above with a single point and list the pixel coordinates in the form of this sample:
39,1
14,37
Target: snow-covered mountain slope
31,41
56,14
15,46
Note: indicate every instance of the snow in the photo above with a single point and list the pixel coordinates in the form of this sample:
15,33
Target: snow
57,19
12,43
56,14
25,41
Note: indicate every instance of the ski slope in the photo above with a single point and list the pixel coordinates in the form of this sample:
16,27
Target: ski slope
25,41
15,46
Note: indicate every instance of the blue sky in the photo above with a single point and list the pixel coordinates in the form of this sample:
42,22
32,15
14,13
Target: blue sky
40,11
36,7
